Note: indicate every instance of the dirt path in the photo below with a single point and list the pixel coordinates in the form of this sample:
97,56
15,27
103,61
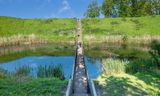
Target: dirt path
80,77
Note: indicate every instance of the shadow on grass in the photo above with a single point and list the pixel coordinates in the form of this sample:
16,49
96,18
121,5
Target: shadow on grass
149,78
121,87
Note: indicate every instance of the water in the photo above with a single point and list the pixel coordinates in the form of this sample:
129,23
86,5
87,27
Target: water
94,68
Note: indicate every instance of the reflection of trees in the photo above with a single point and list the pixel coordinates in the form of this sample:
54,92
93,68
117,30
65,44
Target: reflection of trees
93,60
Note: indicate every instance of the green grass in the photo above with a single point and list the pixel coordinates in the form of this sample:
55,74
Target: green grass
122,26
128,85
31,87
138,77
45,29
141,29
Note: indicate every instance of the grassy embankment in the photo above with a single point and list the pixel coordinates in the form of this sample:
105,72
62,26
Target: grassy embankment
115,81
23,32
133,73
16,31
49,82
121,30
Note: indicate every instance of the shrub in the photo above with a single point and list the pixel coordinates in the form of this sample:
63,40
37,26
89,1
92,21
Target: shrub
139,65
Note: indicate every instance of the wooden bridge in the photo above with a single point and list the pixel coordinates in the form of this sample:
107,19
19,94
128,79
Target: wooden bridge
80,84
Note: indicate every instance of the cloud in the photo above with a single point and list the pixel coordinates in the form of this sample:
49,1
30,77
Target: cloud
65,6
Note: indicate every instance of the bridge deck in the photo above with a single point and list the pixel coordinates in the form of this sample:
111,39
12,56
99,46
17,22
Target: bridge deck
80,83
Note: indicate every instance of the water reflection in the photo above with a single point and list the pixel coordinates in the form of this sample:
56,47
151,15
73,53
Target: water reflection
94,68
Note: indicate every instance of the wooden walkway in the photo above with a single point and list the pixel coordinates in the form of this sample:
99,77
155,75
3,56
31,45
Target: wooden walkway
80,80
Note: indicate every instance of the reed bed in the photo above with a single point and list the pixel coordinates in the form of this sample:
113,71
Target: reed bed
23,71
20,39
119,39
50,71
2,73
111,66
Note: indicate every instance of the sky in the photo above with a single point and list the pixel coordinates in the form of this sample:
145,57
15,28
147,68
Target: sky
44,8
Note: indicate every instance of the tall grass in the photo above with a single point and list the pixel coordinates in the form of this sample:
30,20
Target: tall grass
119,39
42,72
50,71
20,39
111,66
3,73
23,71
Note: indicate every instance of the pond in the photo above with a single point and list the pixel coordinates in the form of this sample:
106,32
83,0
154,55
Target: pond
94,68
54,54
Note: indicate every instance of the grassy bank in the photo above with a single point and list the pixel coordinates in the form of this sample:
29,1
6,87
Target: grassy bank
49,81
116,81
15,30
31,87
131,73
129,85
119,30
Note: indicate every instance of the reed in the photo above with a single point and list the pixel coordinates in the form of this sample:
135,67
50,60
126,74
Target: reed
111,66
3,73
119,39
21,39
50,71
23,71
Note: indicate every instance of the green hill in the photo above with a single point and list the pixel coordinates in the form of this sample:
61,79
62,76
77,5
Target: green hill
45,29
115,29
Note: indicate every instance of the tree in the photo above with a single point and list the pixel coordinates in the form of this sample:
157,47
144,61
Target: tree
125,9
93,10
107,8
130,8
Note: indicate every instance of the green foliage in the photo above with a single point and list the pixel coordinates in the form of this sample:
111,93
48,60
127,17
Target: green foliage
50,71
143,84
140,65
31,87
155,52
131,8
3,73
93,10
22,71
107,8
111,66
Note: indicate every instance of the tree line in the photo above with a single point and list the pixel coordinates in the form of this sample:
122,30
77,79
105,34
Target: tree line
123,8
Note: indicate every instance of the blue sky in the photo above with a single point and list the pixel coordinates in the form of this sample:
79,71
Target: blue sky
44,8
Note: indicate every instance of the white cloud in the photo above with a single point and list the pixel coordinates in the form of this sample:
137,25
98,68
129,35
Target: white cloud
65,6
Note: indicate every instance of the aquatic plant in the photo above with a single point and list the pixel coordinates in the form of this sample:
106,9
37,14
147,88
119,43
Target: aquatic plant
111,66
3,73
23,71
50,71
